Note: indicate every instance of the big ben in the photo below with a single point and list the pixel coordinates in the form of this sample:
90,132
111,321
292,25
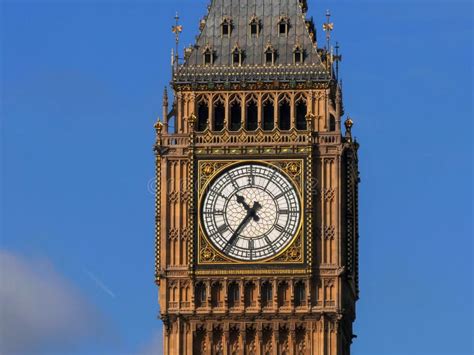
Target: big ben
257,189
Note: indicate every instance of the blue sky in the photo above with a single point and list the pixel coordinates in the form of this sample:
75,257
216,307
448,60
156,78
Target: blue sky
81,87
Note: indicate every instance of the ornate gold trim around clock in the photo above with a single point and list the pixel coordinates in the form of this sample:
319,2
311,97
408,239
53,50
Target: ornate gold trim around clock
294,254
207,170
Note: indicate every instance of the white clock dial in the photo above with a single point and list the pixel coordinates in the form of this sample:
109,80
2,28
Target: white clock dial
251,212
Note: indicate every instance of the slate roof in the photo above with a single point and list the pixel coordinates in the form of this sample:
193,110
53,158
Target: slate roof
268,12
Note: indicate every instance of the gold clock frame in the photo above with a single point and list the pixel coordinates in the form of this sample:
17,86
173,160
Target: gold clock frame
292,169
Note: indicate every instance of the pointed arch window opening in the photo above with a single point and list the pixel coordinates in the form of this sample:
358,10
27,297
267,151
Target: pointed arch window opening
208,56
202,115
283,26
254,26
226,27
269,55
237,56
301,111
235,114
252,114
332,123
219,114
298,55
268,114
284,113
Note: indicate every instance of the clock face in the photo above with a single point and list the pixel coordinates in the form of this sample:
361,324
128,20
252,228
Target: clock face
251,212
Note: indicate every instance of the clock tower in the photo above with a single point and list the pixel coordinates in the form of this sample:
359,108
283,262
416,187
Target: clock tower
256,189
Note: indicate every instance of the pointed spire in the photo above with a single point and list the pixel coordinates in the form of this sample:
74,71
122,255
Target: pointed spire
165,96
176,29
165,109
337,58
328,27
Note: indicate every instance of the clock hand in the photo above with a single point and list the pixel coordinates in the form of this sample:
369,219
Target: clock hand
236,233
251,213
241,200
256,206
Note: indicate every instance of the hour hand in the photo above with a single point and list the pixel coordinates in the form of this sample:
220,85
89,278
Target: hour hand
241,200
253,211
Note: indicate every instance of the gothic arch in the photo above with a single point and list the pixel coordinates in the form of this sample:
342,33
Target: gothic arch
268,112
218,108
301,110
284,112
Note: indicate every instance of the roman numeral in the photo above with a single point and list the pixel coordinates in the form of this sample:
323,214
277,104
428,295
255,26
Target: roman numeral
252,176
233,182
270,179
287,211
250,247
223,228
283,193
269,242
216,212
231,243
279,228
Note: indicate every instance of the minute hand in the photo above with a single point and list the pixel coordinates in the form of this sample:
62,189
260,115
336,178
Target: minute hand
251,213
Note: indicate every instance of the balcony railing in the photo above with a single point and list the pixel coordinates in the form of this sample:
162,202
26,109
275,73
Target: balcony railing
242,138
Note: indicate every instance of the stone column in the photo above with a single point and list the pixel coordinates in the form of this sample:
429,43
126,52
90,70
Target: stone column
275,338
226,338
209,338
242,339
259,339
292,338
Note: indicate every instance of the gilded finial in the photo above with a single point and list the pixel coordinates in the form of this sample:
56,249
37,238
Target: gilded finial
158,126
192,119
348,124
328,27
177,29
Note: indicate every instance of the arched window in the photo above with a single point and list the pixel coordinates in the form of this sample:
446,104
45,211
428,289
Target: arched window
254,26
267,294
252,115
269,55
200,295
283,26
233,295
249,295
208,56
226,26
216,295
284,113
298,55
300,294
301,111
203,115
219,114
268,114
332,123
235,114
236,56
283,295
